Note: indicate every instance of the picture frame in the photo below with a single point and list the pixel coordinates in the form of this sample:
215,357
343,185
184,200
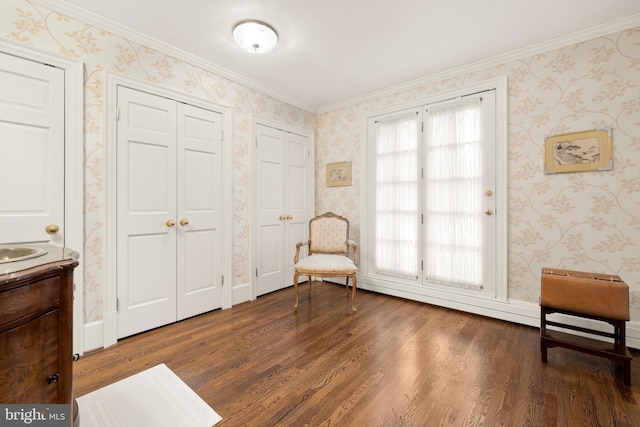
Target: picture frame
584,151
338,174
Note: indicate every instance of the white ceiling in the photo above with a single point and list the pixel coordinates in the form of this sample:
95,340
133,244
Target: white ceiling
330,51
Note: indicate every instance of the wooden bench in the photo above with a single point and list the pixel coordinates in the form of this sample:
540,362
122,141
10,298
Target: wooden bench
600,297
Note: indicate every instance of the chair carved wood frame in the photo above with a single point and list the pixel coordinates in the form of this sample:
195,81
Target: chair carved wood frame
329,249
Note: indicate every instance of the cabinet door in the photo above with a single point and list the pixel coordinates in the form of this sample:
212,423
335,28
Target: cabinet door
146,211
28,356
31,151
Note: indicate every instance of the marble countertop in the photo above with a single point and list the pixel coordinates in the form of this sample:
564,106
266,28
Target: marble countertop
53,254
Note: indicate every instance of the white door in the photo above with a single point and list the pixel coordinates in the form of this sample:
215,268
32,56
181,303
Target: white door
460,231
31,152
146,211
298,199
199,211
284,204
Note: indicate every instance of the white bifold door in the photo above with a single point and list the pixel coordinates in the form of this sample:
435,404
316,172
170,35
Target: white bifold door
284,204
168,214
32,114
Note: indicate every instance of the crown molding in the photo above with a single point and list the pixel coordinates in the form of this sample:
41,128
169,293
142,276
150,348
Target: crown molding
90,18
113,27
514,55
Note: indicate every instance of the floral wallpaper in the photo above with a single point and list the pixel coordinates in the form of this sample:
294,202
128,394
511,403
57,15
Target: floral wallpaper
586,221
99,50
583,221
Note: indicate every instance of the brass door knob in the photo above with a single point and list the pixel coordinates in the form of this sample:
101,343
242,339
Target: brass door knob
52,228
489,211
170,223
282,217
184,221
289,217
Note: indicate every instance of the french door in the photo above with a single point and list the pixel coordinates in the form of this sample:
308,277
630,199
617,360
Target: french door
432,211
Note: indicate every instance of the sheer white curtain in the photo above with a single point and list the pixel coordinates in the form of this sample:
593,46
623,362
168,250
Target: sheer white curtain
453,193
397,216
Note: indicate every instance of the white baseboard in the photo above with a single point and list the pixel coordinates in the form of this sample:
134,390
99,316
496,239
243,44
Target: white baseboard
521,312
241,293
93,335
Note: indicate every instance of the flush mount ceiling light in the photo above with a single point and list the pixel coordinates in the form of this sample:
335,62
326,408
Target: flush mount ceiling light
255,36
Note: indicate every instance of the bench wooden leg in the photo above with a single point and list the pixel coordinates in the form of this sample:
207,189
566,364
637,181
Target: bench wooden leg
543,329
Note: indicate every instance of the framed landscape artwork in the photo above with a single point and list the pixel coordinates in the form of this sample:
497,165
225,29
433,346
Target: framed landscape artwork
583,151
338,174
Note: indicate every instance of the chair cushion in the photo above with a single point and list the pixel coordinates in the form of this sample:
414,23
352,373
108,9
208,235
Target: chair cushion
326,263
328,235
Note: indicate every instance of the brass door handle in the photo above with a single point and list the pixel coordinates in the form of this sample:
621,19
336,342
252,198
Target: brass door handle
289,217
52,228
184,221
489,211
170,223
282,217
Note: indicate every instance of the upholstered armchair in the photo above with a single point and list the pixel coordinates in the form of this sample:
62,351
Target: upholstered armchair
329,253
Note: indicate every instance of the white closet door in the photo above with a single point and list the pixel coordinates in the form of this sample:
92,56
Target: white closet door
146,236
270,214
284,204
298,199
199,216
31,151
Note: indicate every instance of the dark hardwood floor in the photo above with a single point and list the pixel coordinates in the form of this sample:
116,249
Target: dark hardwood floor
393,363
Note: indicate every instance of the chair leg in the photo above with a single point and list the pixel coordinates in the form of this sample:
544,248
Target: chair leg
347,285
309,279
295,286
353,293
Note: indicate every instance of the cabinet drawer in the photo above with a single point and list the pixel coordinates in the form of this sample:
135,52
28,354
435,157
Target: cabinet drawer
31,298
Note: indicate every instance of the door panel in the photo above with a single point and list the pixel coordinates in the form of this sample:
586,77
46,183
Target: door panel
31,151
270,235
466,261
199,211
146,156
298,205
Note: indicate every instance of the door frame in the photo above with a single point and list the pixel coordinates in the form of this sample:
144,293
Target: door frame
113,80
73,166
248,292
450,299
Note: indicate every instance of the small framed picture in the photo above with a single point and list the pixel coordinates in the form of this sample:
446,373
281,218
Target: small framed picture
590,150
338,174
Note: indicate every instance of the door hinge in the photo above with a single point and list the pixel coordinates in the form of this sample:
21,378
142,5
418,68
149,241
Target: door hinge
222,280
421,265
422,219
221,136
421,126
117,305
117,113
256,142
256,272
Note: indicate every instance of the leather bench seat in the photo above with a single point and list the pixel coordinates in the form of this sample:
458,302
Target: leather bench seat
599,295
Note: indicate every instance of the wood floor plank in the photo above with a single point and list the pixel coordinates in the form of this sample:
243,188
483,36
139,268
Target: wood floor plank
393,363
